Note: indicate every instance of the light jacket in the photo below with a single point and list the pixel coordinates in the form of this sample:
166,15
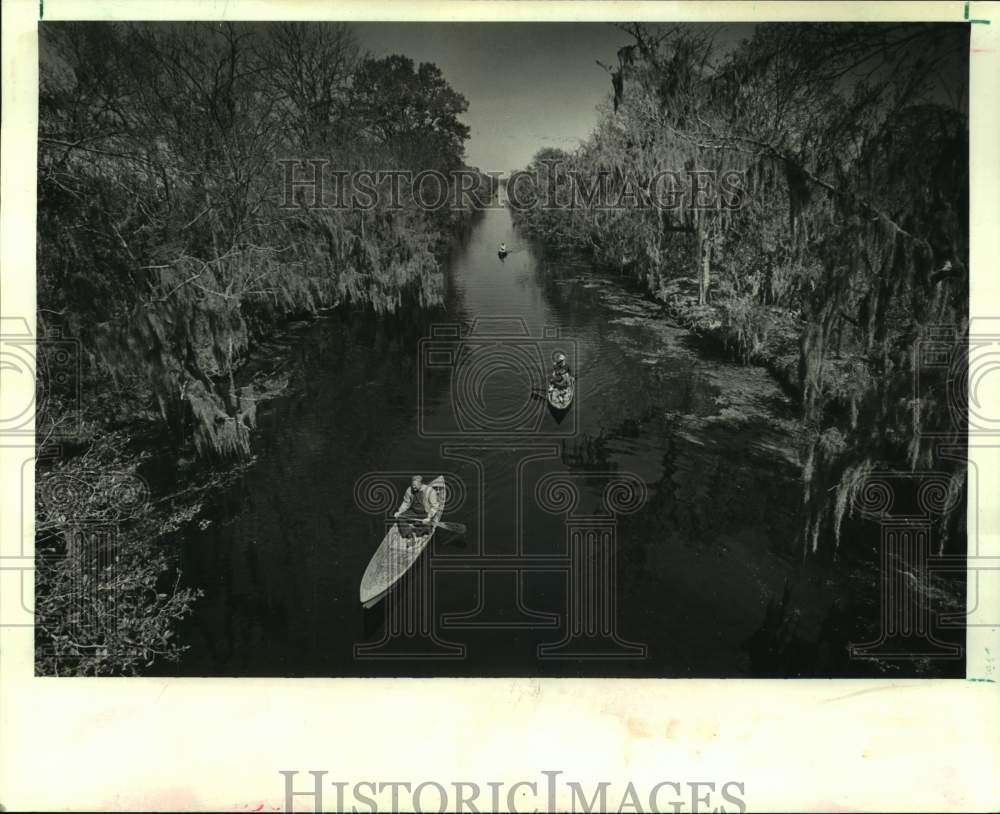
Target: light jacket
427,499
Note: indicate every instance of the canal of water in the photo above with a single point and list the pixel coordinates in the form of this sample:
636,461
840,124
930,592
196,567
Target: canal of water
643,533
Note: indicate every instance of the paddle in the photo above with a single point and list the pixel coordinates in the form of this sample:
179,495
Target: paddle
540,392
456,528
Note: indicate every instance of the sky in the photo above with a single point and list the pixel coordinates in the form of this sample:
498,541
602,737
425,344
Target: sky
529,85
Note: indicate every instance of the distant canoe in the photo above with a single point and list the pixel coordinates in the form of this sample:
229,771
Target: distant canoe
502,255
395,556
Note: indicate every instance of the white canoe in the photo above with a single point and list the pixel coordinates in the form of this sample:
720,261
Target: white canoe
560,399
395,556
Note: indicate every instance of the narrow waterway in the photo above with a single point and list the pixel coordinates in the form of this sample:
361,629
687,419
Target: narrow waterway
682,469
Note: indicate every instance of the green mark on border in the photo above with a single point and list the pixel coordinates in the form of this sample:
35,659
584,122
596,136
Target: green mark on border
982,680
982,22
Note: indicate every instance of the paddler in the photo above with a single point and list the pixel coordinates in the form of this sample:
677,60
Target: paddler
418,509
561,375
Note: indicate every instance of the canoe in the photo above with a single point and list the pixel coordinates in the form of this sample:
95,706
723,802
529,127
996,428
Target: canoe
561,399
395,555
502,255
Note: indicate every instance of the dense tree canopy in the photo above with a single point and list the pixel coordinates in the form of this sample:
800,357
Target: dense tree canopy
412,111
163,245
849,242
166,250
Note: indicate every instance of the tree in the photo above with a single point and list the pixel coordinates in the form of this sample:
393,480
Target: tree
413,112
163,250
309,68
853,229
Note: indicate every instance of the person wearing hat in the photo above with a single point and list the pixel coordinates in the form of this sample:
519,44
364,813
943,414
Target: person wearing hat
561,374
418,509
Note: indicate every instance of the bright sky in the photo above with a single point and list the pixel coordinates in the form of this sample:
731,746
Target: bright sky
528,85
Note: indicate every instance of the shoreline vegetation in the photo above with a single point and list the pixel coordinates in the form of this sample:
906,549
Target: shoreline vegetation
847,253
166,255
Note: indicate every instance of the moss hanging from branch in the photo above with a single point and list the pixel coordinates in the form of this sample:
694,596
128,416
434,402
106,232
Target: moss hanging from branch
853,227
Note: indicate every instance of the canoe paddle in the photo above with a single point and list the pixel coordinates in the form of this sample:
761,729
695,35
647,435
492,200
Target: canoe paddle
456,528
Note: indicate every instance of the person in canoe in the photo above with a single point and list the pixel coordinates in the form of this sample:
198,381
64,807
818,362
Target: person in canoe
418,509
502,251
561,376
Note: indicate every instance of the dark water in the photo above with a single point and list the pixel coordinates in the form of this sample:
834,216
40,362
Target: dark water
683,470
